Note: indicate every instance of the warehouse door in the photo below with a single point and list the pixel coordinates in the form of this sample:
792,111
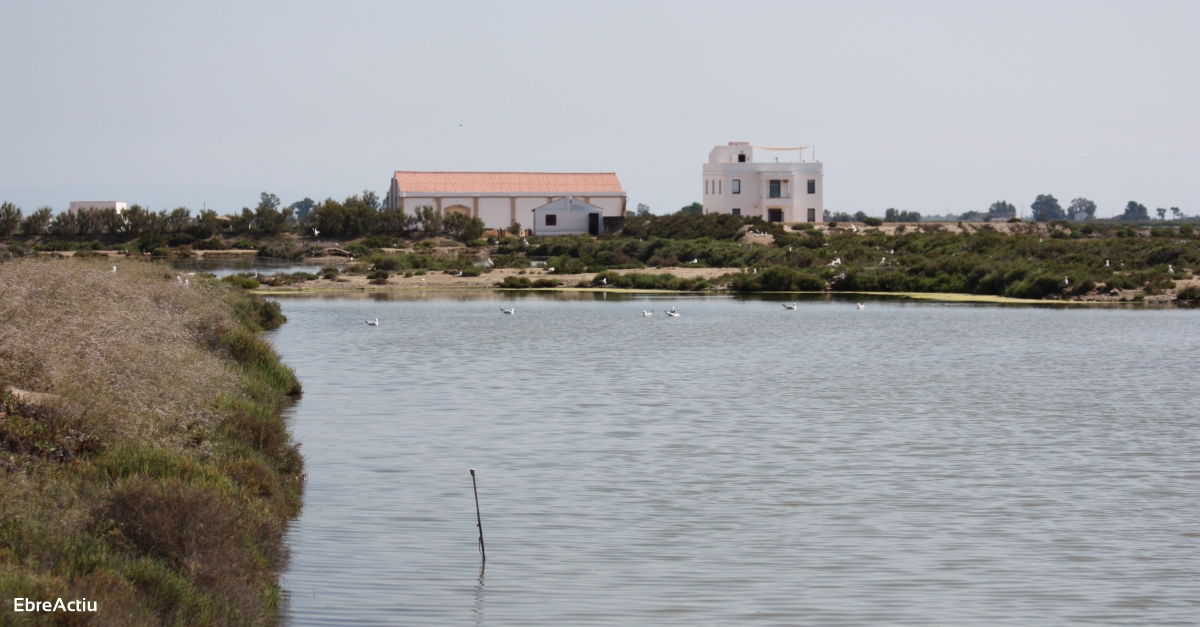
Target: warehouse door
594,224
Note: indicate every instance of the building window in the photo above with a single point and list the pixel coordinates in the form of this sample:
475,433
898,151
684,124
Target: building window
737,212
737,186
718,186
742,158
812,215
773,192
551,219
774,215
812,187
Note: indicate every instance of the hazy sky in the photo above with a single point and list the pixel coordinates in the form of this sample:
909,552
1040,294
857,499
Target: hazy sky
926,106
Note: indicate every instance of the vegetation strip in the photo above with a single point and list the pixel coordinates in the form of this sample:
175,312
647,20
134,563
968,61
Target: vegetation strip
150,471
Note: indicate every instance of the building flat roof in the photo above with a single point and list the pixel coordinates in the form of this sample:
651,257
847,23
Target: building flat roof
508,182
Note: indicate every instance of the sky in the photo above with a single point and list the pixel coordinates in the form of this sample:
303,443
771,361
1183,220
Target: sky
922,106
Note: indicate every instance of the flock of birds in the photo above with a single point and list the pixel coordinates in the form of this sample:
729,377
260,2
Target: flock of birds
671,313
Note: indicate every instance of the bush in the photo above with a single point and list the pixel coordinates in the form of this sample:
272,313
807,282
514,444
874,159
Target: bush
329,273
357,249
477,243
515,282
209,244
380,241
1190,293
378,277
1186,230
833,224
541,283
777,279
873,222
1014,220
244,244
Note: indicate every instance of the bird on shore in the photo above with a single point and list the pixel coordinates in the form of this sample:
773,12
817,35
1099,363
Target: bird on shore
372,323
114,269
1105,263
525,241
178,278
508,311
549,269
883,261
1170,269
458,274
316,232
789,306
185,282
603,280
1066,282
860,305
696,260
647,314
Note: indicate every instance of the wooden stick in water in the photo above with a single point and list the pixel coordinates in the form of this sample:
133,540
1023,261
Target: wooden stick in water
478,518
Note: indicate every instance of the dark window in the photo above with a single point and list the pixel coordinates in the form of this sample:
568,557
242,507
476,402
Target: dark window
812,215
737,186
718,187
742,158
775,215
812,187
774,191
551,219
737,212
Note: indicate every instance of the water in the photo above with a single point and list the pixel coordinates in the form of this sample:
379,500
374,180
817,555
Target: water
225,266
906,464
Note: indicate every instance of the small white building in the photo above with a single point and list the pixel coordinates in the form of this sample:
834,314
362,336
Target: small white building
776,191
118,206
502,199
568,216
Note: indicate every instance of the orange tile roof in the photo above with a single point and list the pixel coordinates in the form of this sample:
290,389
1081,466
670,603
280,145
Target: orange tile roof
508,182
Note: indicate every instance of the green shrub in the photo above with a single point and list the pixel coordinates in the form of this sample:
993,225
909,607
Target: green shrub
329,273
541,283
378,277
380,241
209,244
873,222
244,244
477,243
833,224
515,282
242,281
390,263
356,249
1190,293
1186,230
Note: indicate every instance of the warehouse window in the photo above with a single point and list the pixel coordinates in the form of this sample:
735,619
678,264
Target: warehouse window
737,186
551,219
812,186
737,212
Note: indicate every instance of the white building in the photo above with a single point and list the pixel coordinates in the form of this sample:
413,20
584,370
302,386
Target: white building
502,199
776,191
76,205
568,216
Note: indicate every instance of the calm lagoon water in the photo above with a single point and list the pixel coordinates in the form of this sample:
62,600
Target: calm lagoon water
904,464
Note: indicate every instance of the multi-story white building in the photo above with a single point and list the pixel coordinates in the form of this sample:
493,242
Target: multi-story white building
775,191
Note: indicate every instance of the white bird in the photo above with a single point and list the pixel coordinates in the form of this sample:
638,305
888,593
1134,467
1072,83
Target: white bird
791,306
882,261
185,282
854,227
508,311
647,314
1170,269
1066,281
256,274
179,278
422,278
191,274
672,313
525,241
373,323
488,263
1105,263
835,263
1040,240
549,269
860,305
316,232
696,260
756,271
603,280
458,274
114,269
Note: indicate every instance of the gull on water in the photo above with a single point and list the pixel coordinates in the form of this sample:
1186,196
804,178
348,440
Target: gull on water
860,305
791,306
672,313
373,323
647,314
508,311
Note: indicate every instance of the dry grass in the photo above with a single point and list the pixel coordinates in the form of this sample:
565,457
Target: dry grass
150,470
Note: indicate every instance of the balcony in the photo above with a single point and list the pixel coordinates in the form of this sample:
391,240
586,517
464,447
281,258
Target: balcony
778,194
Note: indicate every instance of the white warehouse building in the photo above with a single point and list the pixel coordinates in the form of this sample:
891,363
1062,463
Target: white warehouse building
115,205
502,199
775,191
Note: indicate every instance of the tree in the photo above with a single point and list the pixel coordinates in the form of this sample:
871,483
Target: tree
37,222
1135,211
178,220
10,219
859,216
891,215
462,226
643,210
300,208
268,219
1176,213
370,199
1046,208
694,209
1001,210
431,220
1081,209
1162,213
515,229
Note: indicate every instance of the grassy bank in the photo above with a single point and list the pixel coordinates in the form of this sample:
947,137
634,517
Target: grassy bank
146,464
